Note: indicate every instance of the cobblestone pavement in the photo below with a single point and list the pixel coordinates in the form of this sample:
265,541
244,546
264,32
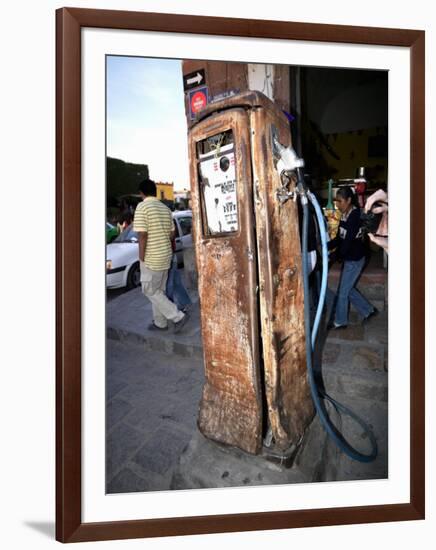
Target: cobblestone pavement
152,403
154,385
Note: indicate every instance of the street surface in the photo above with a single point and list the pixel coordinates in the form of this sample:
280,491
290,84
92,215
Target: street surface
154,383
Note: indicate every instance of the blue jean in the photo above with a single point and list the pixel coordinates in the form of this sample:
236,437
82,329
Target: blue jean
175,290
348,293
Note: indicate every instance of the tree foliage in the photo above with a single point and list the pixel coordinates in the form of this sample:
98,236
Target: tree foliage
123,178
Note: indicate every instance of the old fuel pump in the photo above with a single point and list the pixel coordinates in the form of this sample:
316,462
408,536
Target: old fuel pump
248,252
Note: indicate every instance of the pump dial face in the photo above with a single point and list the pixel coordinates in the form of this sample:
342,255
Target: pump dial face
224,163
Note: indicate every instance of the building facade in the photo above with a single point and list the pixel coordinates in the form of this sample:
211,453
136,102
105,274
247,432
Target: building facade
165,190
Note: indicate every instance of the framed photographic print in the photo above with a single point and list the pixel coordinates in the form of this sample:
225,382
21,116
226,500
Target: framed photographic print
240,329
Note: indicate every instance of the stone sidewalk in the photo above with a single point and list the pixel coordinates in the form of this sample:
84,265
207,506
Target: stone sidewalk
154,385
129,314
152,404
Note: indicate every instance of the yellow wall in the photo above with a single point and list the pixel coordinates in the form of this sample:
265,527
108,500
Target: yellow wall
352,148
165,191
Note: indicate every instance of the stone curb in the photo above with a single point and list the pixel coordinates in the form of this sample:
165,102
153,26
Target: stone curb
154,343
171,346
369,386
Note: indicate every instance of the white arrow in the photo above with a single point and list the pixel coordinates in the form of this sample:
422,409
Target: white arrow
195,79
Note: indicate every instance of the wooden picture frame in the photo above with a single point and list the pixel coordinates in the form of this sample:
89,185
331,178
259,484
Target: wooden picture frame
69,525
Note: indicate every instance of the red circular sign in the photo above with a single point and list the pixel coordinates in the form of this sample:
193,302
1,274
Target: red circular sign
198,101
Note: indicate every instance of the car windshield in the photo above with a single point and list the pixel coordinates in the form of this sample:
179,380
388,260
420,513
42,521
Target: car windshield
127,236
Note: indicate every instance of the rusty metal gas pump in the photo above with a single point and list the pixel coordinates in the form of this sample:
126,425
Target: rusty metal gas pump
256,395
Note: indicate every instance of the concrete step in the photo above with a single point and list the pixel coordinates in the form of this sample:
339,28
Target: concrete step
206,464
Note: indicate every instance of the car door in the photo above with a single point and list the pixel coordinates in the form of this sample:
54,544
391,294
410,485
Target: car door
185,226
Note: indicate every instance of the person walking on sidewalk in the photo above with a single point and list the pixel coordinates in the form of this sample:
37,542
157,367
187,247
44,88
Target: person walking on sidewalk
350,248
175,290
154,224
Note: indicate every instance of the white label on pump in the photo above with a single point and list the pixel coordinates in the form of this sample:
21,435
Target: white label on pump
218,175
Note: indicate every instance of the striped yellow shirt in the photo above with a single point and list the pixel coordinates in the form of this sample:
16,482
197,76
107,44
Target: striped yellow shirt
153,217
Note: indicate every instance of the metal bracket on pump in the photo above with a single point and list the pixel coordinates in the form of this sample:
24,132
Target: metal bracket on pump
283,193
287,163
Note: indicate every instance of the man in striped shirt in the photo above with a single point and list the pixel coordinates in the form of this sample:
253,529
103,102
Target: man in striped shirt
153,222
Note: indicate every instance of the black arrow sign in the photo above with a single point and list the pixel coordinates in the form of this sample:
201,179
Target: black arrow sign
193,80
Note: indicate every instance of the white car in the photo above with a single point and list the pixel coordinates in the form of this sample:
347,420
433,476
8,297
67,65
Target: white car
122,265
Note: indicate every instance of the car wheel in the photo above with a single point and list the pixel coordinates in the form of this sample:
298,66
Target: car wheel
134,276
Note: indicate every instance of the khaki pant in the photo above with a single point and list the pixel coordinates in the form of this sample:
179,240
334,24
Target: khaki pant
153,287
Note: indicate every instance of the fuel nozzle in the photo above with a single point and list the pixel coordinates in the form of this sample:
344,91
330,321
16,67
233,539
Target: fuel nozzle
289,162
288,159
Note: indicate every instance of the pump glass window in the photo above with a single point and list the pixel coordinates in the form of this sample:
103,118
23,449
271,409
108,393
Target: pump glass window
217,175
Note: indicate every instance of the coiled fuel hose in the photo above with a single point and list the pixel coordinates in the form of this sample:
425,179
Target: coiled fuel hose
317,394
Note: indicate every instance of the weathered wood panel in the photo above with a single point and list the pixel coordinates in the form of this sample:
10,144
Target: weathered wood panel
290,406
281,87
231,404
238,380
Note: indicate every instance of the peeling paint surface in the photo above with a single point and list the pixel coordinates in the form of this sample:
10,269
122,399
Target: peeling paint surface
231,408
251,290
290,407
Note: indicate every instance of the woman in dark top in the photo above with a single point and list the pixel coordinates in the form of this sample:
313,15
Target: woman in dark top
349,247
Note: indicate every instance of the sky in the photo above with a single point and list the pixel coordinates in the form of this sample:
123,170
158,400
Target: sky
146,120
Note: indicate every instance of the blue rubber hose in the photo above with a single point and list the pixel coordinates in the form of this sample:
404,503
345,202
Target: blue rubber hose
325,260
316,395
